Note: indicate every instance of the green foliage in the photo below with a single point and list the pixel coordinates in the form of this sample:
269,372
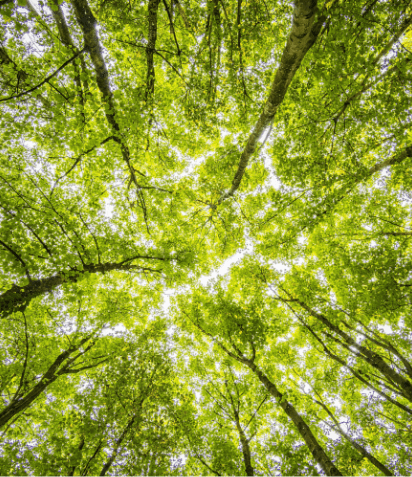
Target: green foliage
160,318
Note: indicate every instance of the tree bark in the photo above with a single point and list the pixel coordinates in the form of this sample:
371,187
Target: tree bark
396,159
301,38
304,430
18,405
18,298
357,446
81,445
366,354
151,44
117,445
244,441
357,374
67,40
245,448
87,24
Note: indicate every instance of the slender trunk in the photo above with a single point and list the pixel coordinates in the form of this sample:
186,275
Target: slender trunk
67,40
244,442
357,374
151,44
366,354
117,446
86,468
118,442
81,445
379,341
87,24
18,405
357,446
365,85
396,159
333,200
304,430
301,38
245,448
18,298
182,14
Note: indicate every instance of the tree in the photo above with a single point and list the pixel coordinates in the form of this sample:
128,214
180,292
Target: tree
205,237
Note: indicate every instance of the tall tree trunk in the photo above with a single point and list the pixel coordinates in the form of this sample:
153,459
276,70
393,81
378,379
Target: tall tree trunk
87,23
152,9
81,445
366,354
117,446
301,38
356,373
18,298
304,430
245,449
18,404
67,40
357,446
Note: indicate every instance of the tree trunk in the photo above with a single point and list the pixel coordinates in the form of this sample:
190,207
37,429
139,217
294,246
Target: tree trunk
356,373
151,44
117,445
67,40
301,38
369,356
87,23
245,449
18,298
304,430
18,405
357,446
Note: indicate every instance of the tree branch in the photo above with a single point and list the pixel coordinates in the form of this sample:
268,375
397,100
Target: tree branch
46,79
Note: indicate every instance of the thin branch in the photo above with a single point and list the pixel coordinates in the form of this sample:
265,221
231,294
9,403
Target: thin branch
172,26
257,410
17,256
78,159
16,394
46,79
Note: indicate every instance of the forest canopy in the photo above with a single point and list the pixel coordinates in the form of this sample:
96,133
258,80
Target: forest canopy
205,237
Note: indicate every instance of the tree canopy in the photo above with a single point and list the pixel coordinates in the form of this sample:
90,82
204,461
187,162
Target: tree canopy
205,237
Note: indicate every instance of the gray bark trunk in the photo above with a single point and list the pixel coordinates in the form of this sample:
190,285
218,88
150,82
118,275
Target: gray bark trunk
304,430
357,446
117,445
396,159
18,298
87,24
18,405
356,373
245,449
301,38
151,44
67,40
366,354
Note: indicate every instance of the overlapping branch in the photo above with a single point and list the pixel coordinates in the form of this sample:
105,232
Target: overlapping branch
46,80
371,357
